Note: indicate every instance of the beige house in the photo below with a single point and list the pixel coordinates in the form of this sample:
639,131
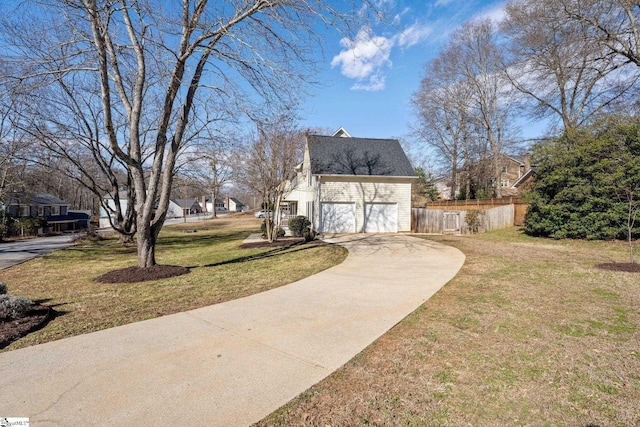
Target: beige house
352,185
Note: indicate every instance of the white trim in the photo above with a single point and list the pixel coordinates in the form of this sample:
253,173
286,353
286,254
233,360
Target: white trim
342,133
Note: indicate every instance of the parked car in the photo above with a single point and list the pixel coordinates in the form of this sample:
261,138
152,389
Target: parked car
262,212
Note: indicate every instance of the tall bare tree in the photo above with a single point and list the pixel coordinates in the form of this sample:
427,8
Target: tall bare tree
560,65
13,147
616,24
465,104
481,58
271,162
442,104
213,162
150,59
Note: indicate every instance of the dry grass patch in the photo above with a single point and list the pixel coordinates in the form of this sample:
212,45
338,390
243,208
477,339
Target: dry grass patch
220,271
529,333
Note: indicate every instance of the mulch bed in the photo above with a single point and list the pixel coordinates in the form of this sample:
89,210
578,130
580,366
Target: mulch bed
137,274
35,318
629,267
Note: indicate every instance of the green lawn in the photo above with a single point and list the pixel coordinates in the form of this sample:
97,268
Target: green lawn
220,271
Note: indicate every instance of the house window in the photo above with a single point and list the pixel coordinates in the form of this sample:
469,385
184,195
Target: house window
55,210
504,182
25,211
504,169
40,211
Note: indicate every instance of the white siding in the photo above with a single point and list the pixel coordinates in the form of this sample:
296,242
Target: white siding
362,190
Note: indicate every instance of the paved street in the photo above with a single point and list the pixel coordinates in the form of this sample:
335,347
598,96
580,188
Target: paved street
12,253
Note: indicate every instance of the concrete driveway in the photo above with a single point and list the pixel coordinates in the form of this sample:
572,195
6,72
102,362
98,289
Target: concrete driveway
12,253
233,363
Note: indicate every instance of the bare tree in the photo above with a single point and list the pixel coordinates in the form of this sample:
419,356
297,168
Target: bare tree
271,162
13,146
442,105
213,162
616,24
481,60
150,59
465,104
560,65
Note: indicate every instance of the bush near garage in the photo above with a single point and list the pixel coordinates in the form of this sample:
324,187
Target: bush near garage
299,225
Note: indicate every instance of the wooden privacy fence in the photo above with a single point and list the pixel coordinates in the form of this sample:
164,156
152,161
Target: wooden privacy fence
440,221
519,206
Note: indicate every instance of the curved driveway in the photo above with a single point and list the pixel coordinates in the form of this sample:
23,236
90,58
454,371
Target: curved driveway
233,363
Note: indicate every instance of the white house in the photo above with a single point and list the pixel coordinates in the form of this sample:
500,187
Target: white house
104,215
352,185
176,208
234,205
183,207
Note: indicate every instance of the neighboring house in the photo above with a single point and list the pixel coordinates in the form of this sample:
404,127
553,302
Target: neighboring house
82,217
352,185
219,205
443,187
46,206
104,216
183,207
516,173
234,205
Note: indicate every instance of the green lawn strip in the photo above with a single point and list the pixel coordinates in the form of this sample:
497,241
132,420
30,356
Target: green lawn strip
530,332
220,271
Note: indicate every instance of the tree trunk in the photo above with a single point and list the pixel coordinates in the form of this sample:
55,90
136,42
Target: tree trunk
497,172
214,195
146,248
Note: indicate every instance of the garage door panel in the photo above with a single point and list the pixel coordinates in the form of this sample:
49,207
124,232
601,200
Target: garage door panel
381,217
338,218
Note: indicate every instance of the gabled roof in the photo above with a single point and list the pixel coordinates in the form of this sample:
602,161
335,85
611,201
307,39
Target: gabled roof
334,155
185,202
524,177
342,132
37,199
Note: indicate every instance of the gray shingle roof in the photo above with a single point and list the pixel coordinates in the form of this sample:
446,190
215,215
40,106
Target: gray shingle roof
357,156
37,199
186,202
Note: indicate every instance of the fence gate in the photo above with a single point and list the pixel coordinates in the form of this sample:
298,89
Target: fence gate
451,222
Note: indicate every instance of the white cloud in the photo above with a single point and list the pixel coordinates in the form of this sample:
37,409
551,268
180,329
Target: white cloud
374,83
495,14
443,2
398,18
414,35
363,58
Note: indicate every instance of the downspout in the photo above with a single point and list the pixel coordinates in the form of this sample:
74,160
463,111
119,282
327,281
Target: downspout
318,210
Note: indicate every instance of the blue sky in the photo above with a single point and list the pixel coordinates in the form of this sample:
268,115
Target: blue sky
368,82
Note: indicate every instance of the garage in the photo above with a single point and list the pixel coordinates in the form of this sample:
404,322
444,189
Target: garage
381,218
338,217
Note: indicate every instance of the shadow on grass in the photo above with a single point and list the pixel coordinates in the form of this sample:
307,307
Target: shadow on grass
290,249
196,239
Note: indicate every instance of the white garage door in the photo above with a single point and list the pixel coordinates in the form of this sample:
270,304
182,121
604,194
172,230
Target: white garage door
381,218
338,218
